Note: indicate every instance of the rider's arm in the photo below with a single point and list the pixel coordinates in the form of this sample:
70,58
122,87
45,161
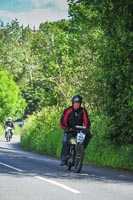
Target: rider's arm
64,118
86,119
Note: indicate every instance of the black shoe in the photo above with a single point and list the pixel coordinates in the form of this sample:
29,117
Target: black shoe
63,162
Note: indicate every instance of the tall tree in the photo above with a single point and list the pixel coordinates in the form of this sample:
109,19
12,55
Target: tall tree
114,18
51,45
11,101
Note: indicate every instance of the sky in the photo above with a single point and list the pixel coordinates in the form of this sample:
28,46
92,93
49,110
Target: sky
33,12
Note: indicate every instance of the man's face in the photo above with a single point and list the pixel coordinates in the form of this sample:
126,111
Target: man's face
76,105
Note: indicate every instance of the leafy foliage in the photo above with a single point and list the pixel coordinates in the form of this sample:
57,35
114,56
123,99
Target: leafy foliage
116,56
46,135
113,36
90,54
42,134
11,101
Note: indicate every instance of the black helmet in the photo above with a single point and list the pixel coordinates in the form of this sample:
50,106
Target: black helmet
76,98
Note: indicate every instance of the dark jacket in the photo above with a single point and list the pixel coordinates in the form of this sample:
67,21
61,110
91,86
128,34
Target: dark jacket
70,118
9,124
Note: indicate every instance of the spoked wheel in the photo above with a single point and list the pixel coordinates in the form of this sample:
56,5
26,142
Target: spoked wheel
79,158
71,157
8,137
69,164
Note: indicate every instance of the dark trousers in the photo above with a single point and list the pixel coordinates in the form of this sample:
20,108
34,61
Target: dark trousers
11,133
65,144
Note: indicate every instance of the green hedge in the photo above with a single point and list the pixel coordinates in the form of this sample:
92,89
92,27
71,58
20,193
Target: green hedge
42,134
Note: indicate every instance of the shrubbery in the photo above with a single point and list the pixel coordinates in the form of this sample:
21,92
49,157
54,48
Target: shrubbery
42,134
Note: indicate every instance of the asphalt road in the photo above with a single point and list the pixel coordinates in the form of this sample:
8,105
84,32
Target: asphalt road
29,176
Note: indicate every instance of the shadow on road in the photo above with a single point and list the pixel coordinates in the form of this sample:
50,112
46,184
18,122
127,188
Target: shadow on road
33,164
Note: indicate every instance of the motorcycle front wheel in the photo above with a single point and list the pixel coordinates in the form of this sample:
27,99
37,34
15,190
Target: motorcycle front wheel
69,164
79,158
8,137
70,160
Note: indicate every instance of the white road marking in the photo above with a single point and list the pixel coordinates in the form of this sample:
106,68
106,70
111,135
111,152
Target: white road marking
60,185
45,179
11,167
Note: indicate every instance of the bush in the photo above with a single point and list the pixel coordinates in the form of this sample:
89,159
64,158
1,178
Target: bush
42,134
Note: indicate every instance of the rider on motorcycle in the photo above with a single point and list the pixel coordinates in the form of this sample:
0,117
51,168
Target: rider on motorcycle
9,123
72,116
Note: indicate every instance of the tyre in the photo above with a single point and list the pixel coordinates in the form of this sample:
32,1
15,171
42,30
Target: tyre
70,160
69,164
8,137
79,158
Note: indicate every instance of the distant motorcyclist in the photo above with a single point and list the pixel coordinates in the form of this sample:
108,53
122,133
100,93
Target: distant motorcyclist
9,123
72,116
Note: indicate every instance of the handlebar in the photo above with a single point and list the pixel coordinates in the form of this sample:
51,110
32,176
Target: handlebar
75,129
80,127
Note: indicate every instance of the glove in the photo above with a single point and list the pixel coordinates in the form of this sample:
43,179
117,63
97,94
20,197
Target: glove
69,129
66,129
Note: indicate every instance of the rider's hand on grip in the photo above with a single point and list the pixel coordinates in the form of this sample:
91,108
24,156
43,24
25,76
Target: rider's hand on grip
69,129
